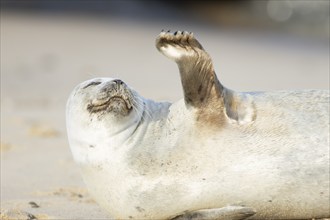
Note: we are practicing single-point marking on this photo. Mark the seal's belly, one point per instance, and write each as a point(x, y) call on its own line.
point(139, 197)
point(258, 182)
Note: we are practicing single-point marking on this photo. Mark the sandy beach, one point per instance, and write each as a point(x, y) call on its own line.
point(43, 57)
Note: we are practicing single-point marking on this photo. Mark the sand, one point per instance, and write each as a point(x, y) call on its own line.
point(44, 57)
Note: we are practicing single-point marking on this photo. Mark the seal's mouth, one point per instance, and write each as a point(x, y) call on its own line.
point(115, 103)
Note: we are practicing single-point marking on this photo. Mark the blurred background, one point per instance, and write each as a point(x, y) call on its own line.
point(256, 45)
point(48, 47)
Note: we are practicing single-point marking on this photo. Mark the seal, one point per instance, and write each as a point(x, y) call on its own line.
point(215, 154)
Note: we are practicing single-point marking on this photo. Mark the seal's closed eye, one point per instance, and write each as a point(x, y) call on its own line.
point(91, 84)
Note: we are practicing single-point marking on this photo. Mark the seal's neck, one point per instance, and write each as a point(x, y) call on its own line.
point(154, 111)
point(153, 114)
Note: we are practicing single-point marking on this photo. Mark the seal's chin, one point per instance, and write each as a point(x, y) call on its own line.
point(115, 104)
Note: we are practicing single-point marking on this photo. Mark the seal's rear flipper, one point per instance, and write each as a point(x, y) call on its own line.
point(200, 84)
point(225, 213)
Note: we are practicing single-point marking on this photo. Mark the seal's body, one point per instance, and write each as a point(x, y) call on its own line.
point(216, 154)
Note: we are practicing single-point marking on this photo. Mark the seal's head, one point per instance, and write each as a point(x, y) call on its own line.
point(107, 98)
point(102, 107)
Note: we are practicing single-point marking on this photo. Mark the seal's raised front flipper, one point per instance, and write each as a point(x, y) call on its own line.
point(201, 86)
point(225, 213)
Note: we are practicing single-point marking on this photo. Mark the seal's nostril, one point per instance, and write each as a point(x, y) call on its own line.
point(118, 81)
